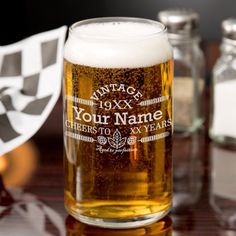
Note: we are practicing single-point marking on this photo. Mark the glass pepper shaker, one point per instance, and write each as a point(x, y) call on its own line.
point(223, 99)
point(189, 72)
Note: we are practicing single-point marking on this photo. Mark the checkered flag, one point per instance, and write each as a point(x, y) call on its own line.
point(30, 84)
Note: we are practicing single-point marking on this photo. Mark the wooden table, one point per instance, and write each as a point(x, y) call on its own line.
point(201, 182)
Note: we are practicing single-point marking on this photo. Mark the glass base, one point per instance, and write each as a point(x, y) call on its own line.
point(186, 131)
point(223, 139)
point(125, 223)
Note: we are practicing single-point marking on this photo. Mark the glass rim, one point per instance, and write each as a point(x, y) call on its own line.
point(160, 30)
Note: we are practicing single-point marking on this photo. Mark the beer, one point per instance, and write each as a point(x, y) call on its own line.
point(118, 122)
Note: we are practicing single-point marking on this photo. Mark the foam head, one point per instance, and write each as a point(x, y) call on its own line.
point(118, 43)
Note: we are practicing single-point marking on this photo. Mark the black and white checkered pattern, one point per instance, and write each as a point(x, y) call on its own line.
point(30, 84)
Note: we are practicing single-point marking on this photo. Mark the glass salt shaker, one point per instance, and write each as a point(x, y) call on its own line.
point(223, 112)
point(189, 72)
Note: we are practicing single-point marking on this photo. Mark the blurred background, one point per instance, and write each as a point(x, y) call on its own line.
point(25, 17)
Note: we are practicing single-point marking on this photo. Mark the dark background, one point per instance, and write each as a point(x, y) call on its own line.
point(21, 18)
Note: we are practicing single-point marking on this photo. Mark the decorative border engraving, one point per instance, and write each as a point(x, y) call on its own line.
point(97, 124)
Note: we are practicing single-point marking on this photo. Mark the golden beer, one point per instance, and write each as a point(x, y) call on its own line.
point(117, 125)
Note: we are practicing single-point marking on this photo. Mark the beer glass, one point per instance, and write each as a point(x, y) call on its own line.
point(118, 122)
point(159, 228)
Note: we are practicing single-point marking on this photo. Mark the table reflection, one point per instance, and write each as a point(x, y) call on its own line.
point(160, 228)
point(30, 217)
point(187, 168)
point(21, 213)
point(227, 233)
point(223, 186)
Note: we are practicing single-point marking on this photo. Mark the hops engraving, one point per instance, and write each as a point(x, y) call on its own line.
point(116, 141)
point(102, 140)
point(131, 140)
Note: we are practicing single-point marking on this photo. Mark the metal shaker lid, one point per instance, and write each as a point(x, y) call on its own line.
point(180, 21)
point(229, 28)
